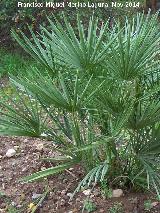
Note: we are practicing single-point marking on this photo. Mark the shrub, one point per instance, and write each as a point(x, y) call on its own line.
point(19, 18)
point(15, 63)
point(99, 102)
point(12, 63)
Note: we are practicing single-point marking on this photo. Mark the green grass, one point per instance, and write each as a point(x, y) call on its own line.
point(116, 208)
point(13, 63)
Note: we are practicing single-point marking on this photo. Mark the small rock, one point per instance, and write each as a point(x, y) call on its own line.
point(69, 195)
point(63, 192)
point(35, 196)
point(62, 202)
point(134, 200)
point(3, 186)
point(16, 147)
point(14, 163)
point(40, 146)
point(22, 197)
point(65, 197)
point(0, 167)
point(73, 210)
point(87, 192)
point(64, 180)
point(25, 140)
point(1, 175)
point(101, 210)
point(13, 203)
point(3, 205)
point(1, 156)
point(58, 192)
point(117, 193)
point(10, 153)
point(43, 168)
point(96, 192)
point(154, 204)
point(24, 169)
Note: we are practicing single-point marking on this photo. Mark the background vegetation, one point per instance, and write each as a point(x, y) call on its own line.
point(20, 18)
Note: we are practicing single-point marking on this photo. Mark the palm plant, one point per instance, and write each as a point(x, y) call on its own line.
point(101, 98)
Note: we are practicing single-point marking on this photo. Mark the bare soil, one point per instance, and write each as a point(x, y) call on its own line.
point(27, 160)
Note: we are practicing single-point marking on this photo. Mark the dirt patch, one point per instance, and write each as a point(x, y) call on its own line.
point(29, 151)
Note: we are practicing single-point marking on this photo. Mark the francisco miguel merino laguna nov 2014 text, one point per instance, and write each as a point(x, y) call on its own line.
point(60, 4)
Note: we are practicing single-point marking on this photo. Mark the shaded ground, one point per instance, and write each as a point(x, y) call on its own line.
point(27, 160)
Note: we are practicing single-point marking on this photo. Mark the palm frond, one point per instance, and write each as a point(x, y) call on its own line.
point(94, 176)
point(23, 118)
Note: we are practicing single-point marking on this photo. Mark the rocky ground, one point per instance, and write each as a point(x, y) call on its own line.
point(21, 156)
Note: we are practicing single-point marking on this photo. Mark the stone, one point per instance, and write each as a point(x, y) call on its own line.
point(14, 163)
point(3, 186)
point(73, 210)
point(87, 192)
point(62, 202)
point(10, 153)
point(35, 196)
point(117, 193)
point(69, 195)
point(16, 147)
point(3, 205)
point(96, 192)
point(1, 175)
point(40, 146)
point(133, 200)
point(43, 168)
point(13, 203)
point(24, 169)
point(64, 180)
point(63, 192)
point(154, 204)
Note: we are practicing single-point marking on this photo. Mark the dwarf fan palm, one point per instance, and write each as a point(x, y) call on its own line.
point(104, 101)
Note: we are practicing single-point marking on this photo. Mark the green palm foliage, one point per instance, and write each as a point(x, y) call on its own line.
point(67, 47)
point(100, 106)
point(25, 117)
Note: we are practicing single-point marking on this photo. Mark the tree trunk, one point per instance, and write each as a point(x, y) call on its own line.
point(154, 5)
